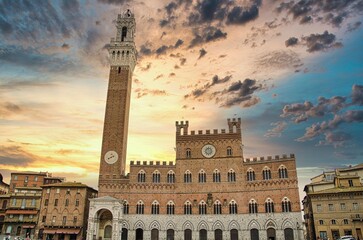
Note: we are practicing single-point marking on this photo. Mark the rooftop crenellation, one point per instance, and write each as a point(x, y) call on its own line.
point(151, 163)
point(269, 158)
point(234, 126)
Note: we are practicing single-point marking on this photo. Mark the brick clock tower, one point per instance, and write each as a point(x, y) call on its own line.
point(122, 55)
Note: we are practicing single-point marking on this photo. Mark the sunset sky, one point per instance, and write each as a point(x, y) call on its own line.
point(291, 70)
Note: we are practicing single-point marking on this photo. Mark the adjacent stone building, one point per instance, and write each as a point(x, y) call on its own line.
point(64, 211)
point(4, 199)
point(333, 205)
point(210, 191)
point(23, 202)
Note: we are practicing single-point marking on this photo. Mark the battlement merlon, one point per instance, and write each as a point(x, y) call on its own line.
point(234, 128)
point(269, 158)
point(180, 126)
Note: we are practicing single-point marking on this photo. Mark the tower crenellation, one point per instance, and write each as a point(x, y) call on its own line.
point(182, 126)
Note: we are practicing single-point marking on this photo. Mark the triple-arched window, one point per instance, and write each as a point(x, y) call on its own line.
point(187, 176)
point(202, 208)
point(141, 176)
point(155, 207)
point(286, 205)
point(252, 206)
point(170, 208)
point(170, 178)
point(156, 176)
point(251, 175)
point(216, 176)
point(233, 207)
point(202, 177)
point(140, 207)
point(187, 208)
point(269, 206)
point(231, 175)
point(266, 173)
point(217, 206)
point(283, 172)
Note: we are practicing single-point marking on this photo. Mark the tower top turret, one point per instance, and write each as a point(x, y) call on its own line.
point(122, 49)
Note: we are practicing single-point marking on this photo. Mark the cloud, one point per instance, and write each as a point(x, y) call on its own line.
point(5, 27)
point(65, 46)
point(278, 60)
point(241, 93)
point(357, 95)
point(320, 42)
point(302, 111)
point(146, 68)
point(15, 156)
point(240, 15)
point(335, 11)
point(196, 93)
point(153, 92)
point(115, 2)
point(31, 58)
point(205, 35)
point(291, 41)
point(337, 139)
point(202, 53)
point(37, 21)
point(336, 106)
point(354, 26)
point(8, 109)
point(317, 129)
point(145, 49)
point(279, 127)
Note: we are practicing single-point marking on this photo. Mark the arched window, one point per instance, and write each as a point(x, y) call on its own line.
point(202, 177)
point(156, 176)
point(216, 176)
point(187, 208)
point(266, 173)
point(123, 34)
point(233, 207)
point(187, 176)
point(202, 208)
point(269, 206)
point(252, 206)
point(217, 207)
point(188, 153)
point(141, 176)
point(170, 208)
point(231, 175)
point(140, 207)
point(126, 207)
point(251, 175)
point(229, 151)
point(283, 172)
point(155, 207)
point(170, 177)
point(170, 234)
point(107, 232)
point(286, 205)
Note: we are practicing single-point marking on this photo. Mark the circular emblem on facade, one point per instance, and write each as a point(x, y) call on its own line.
point(111, 157)
point(208, 151)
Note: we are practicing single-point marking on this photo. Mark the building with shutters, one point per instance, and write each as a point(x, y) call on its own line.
point(333, 205)
point(63, 211)
point(210, 191)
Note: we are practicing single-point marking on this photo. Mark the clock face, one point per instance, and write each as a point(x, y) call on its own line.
point(111, 157)
point(208, 151)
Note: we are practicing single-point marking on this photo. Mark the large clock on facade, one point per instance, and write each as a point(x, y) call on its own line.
point(208, 150)
point(111, 157)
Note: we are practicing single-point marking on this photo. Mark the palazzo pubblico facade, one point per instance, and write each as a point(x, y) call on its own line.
point(209, 192)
